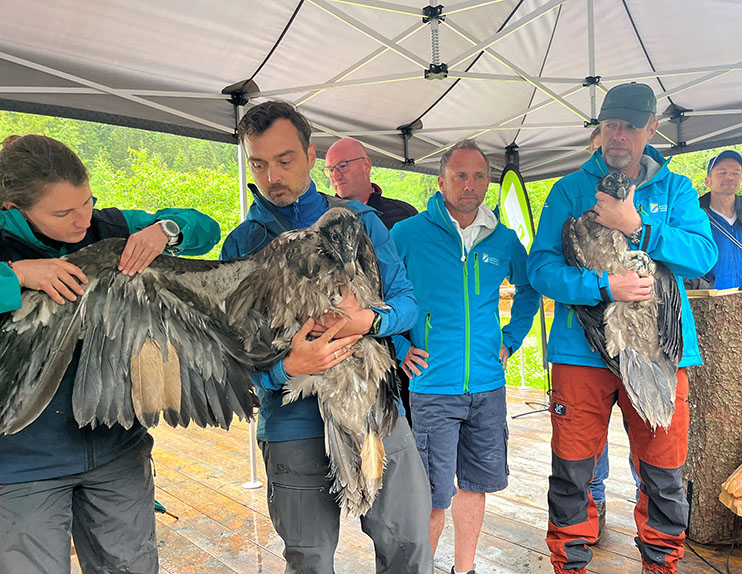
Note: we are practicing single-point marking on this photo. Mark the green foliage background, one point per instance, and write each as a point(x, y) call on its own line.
point(131, 168)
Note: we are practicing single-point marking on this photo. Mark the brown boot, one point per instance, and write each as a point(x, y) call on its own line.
point(601, 518)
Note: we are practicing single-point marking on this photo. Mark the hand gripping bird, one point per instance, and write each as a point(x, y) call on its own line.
point(640, 342)
point(181, 338)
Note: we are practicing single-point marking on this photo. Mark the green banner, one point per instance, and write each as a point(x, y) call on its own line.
point(515, 208)
point(515, 211)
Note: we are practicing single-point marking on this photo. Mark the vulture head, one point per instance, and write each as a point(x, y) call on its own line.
point(616, 185)
point(339, 233)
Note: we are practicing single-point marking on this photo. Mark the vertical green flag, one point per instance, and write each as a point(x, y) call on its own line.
point(515, 210)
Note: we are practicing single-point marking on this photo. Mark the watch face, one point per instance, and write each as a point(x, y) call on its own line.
point(170, 228)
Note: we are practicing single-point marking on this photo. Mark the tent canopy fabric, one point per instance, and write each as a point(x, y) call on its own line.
point(525, 77)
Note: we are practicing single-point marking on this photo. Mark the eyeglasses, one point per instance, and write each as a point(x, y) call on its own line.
point(341, 166)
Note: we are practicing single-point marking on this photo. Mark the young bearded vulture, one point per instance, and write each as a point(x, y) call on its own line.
point(640, 342)
point(181, 338)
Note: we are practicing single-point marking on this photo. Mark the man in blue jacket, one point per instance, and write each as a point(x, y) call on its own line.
point(457, 255)
point(304, 512)
point(724, 209)
point(662, 217)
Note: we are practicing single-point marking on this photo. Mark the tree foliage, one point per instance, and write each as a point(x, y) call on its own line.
point(132, 168)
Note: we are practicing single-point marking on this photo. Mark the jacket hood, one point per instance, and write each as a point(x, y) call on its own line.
point(595, 165)
point(705, 201)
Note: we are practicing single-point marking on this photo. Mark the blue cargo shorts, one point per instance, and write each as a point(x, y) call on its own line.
point(462, 436)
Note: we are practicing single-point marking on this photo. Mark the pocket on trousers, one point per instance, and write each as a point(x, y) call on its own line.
point(421, 442)
point(288, 505)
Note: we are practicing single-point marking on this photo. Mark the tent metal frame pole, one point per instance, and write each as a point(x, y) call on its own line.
point(673, 72)
point(502, 122)
point(591, 55)
point(695, 83)
point(111, 91)
point(362, 62)
point(334, 85)
point(380, 5)
point(373, 34)
point(712, 134)
point(520, 72)
point(340, 135)
point(469, 5)
point(514, 27)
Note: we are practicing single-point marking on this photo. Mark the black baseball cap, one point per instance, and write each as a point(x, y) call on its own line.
point(633, 103)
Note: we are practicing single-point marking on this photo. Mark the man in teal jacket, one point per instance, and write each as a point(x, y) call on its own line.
point(661, 217)
point(457, 255)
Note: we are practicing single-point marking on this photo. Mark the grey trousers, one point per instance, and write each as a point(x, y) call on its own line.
point(108, 510)
point(307, 518)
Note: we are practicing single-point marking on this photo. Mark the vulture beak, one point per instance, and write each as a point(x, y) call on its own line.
point(350, 268)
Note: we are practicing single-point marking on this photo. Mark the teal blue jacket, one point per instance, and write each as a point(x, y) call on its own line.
point(200, 233)
point(676, 232)
point(458, 295)
point(54, 445)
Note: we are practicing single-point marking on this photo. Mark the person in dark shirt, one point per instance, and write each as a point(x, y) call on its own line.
point(349, 169)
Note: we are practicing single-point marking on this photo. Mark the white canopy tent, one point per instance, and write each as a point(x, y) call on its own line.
point(519, 75)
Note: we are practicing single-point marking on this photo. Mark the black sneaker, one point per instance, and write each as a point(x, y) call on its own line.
point(453, 571)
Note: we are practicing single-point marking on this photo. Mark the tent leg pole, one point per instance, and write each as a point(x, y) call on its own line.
point(253, 482)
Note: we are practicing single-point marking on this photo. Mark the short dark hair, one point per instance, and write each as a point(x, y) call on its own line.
point(261, 117)
point(30, 163)
point(463, 144)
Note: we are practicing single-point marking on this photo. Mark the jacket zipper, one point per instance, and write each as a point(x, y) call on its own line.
point(467, 330)
point(476, 273)
point(428, 327)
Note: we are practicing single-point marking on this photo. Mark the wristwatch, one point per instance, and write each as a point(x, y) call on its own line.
point(636, 235)
point(375, 324)
point(172, 230)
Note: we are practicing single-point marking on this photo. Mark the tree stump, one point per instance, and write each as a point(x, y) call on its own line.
point(715, 435)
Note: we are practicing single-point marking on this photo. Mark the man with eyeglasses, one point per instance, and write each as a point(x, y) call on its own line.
point(349, 170)
point(724, 209)
point(304, 512)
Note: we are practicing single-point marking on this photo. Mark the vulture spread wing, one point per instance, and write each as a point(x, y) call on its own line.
point(641, 341)
point(158, 342)
point(181, 338)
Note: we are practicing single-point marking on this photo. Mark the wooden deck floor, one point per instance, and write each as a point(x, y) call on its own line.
point(225, 529)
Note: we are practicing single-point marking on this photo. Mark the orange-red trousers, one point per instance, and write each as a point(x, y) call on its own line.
point(581, 404)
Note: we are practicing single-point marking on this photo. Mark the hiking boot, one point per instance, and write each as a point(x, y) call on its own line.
point(453, 571)
point(600, 506)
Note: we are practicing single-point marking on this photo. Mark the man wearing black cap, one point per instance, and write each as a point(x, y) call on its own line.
point(724, 208)
point(661, 216)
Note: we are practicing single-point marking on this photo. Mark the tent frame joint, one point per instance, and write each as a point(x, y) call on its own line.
point(512, 155)
point(433, 13)
point(591, 81)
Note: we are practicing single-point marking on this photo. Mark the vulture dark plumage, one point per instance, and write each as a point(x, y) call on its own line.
point(640, 342)
point(181, 338)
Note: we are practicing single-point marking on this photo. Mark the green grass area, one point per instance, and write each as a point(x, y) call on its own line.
point(525, 367)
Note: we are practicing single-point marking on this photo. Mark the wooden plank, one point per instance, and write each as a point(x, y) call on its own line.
point(200, 473)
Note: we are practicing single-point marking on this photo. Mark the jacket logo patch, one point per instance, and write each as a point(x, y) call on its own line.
point(657, 208)
point(559, 409)
point(491, 260)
